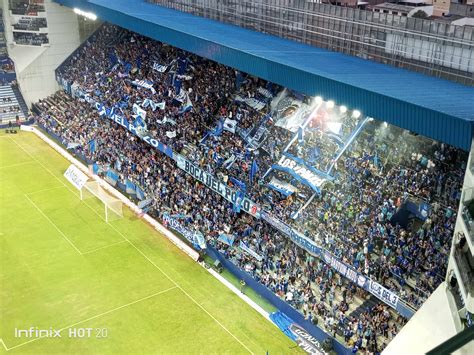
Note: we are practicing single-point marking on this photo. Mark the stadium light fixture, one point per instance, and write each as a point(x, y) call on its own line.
point(319, 99)
point(330, 104)
point(343, 109)
point(88, 15)
point(356, 113)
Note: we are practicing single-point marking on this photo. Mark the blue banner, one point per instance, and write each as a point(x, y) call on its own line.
point(231, 195)
point(140, 193)
point(130, 188)
point(112, 177)
point(301, 171)
point(226, 239)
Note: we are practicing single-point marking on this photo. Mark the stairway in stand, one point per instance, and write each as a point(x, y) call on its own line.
point(12, 104)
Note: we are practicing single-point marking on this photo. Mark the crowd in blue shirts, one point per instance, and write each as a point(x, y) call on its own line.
point(206, 112)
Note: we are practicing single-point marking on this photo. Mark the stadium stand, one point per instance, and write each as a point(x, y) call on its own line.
point(26, 7)
point(368, 210)
point(30, 24)
point(12, 105)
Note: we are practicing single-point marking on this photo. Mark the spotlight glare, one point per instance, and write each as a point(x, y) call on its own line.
point(319, 99)
point(356, 113)
point(343, 109)
point(88, 15)
point(330, 104)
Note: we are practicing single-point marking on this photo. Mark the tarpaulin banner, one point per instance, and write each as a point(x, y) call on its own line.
point(284, 188)
point(301, 171)
point(288, 112)
point(195, 237)
point(249, 251)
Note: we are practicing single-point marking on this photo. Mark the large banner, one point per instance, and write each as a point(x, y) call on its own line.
point(214, 184)
point(297, 237)
point(289, 112)
point(345, 270)
point(249, 251)
point(196, 238)
point(383, 294)
point(301, 171)
point(306, 341)
point(114, 115)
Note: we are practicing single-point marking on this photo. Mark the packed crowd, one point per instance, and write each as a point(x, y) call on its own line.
point(30, 39)
point(30, 24)
point(383, 169)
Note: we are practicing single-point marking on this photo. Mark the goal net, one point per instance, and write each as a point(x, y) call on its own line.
point(112, 205)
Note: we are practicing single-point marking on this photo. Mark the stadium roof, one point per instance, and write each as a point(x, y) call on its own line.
point(433, 107)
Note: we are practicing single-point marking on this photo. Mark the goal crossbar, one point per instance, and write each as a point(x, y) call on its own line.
point(111, 204)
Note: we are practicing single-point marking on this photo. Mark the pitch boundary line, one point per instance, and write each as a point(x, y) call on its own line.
point(187, 294)
point(91, 318)
point(100, 248)
point(3, 343)
point(54, 225)
point(146, 257)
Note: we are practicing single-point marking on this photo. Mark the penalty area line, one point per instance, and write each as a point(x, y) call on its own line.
point(104, 247)
point(4, 345)
point(91, 318)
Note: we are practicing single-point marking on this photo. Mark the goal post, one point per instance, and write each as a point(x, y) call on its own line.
point(112, 206)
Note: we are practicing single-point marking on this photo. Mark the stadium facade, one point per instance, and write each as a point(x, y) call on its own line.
point(284, 54)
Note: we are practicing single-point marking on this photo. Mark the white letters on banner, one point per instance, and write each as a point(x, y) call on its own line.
point(301, 170)
point(75, 177)
point(382, 293)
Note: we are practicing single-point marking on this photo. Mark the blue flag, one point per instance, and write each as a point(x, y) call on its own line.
point(239, 184)
point(253, 170)
point(113, 58)
point(92, 145)
point(219, 129)
point(238, 201)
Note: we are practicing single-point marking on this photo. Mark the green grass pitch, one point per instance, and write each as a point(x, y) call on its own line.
point(63, 266)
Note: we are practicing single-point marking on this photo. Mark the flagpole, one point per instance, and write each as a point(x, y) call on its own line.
point(304, 206)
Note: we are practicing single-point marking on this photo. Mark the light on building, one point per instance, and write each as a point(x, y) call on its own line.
point(343, 109)
point(356, 114)
point(88, 15)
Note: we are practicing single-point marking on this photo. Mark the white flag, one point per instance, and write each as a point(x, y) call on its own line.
point(229, 125)
point(138, 111)
point(171, 134)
